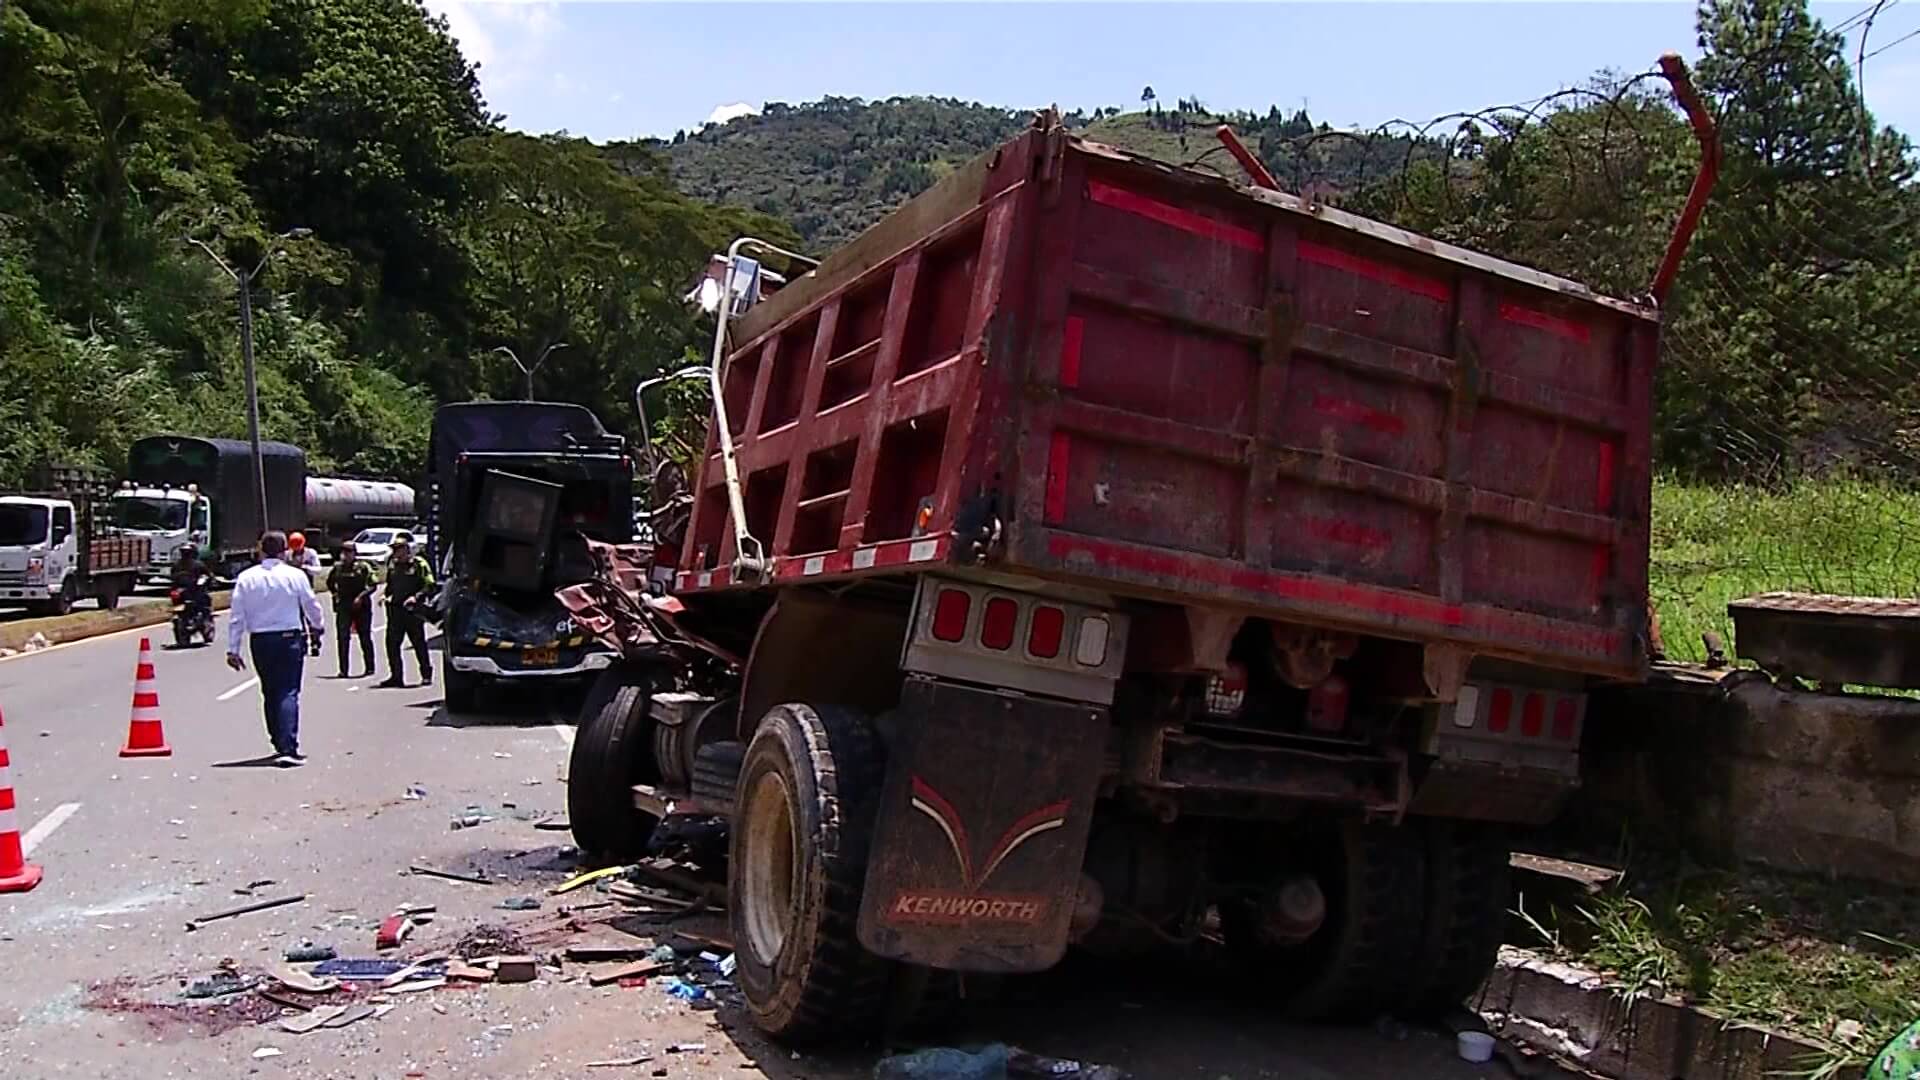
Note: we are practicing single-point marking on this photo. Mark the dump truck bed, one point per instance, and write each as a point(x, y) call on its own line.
point(1085, 366)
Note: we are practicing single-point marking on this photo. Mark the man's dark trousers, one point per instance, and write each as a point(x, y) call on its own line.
point(404, 625)
point(279, 658)
point(354, 619)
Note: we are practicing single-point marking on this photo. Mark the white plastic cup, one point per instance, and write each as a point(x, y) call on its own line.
point(1476, 1047)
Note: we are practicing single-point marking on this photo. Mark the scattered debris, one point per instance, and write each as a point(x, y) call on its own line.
point(687, 1048)
point(554, 825)
point(295, 979)
point(220, 984)
point(587, 878)
point(501, 754)
point(597, 954)
point(520, 903)
point(35, 643)
point(663, 954)
point(468, 821)
point(247, 889)
point(620, 1063)
point(248, 909)
point(682, 989)
point(424, 967)
point(488, 941)
point(433, 983)
point(358, 970)
point(471, 879)
point(312, 1021)
point(461, 970)
point(415, 792)
point(1475, 1047)
point(267, 1052)
point(992, 1062)
point(625, 971)
point(353, 1015)
point(393, 930)
point(728, 966)
point(515, 969)
point(308, 953)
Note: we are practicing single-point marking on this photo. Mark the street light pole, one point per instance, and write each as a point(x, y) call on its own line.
point(244, 279)
point(524, 369)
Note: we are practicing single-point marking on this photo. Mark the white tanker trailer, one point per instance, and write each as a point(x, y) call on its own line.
point(338, 508)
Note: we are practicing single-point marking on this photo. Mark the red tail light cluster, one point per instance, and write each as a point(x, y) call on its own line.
point(1520, 712)
point(1049, 632)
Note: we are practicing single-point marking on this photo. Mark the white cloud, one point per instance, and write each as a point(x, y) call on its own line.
point(504, 37)
point(723, 113)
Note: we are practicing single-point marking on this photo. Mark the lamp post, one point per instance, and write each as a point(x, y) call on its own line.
point(524, 369)
point(244, 279)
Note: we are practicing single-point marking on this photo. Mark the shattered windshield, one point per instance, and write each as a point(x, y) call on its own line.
point(147, 512)
point(21, 525)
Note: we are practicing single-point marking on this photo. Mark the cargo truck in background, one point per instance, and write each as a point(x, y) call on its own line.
point(58, 544)
point(188, 491)
point(1097, 551)
point(514, 492)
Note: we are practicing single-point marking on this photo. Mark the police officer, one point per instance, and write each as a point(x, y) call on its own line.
point(409, 583)
point(351, 584)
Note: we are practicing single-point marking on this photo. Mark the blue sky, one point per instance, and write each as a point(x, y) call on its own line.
point(609, 69)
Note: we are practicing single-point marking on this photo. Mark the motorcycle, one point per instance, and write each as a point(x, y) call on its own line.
point(192, 613)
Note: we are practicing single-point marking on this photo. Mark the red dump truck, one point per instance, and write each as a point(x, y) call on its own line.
point(1096, 551)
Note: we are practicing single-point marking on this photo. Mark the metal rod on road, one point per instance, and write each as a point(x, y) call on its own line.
point(246, 910)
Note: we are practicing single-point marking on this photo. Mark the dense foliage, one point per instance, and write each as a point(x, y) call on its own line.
point(427, 238)
point(426, 235)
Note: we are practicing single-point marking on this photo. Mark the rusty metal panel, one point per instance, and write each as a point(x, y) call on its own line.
point(1861, 640)
point(982, 828)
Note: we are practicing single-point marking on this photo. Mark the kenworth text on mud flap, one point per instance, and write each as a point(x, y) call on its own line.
point(1096, 549)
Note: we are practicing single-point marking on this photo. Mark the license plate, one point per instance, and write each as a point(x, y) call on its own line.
point(540, 657)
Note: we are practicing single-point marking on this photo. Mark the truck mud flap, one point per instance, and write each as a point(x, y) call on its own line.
point(982, 827)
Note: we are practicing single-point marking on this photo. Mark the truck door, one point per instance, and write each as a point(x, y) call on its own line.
point(60, 554)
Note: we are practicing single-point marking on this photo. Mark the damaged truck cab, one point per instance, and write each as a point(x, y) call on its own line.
point(1097, 552)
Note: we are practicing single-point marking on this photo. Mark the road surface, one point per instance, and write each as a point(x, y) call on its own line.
point(93, 961)
point(144, 594)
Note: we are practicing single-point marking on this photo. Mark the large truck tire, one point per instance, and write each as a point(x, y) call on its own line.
point(809, 789)
point(611, 753)
point(1467, 893)
point(1355, 966)
point(459, 690)
point(60, 604)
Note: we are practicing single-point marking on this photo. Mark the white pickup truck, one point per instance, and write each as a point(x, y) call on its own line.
point(55, 550)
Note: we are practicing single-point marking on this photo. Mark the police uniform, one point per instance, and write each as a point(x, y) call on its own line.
point(407, 578)
point(351, 585)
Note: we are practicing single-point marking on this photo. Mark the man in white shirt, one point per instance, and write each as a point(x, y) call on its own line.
point(273, 609)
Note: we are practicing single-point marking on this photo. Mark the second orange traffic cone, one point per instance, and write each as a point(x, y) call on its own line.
point(145, 737)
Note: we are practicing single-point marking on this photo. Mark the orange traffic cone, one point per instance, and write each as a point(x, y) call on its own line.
point(144, 735)
point(16, 873)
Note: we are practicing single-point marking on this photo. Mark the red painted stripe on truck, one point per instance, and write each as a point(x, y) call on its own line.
point(1540, 320)
point(1432, 288)
point(1057, 454)
point(1070, 352)
point(1355, 412)
point(1168, 214)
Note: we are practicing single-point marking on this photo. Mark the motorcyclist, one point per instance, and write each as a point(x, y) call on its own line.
point(190, 577)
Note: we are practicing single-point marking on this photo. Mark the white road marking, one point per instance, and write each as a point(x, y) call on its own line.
point(45, 826)
point(565, 731)
point(238, 690)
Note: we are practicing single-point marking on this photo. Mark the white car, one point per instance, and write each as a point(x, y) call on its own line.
point(376, 545)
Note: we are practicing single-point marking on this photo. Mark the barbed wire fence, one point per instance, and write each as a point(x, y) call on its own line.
point(1788, 407)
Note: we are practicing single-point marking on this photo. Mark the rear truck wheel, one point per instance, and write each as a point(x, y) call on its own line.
point(1353, 965)
point(611, 755)
point(62, 602)
point(809, 789)
point(459, 689)
point(716, 775)
point(1467, 892)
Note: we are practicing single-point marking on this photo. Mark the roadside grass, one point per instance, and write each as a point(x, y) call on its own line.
point(1713, 544)
point(1805, 954)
